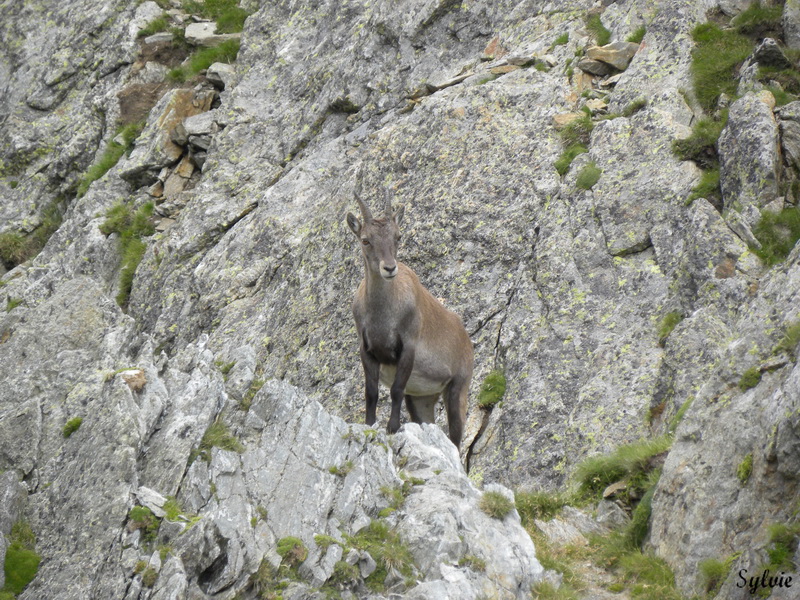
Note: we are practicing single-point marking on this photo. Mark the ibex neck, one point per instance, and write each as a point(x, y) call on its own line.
point(378, 288)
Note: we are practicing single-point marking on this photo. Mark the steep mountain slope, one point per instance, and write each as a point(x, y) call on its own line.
point(213, 257)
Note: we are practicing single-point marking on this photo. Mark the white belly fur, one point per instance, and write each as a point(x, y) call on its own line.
point(417, 385)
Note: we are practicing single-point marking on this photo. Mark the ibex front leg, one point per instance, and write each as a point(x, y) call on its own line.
point(372, 369)
point(404, 367)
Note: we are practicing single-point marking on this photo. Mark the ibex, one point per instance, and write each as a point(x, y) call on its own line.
point(409, 340)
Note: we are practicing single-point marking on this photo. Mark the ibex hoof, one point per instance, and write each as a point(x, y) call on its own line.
point(393, 426)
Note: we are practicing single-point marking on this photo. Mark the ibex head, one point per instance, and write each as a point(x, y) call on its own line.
point(379, 237)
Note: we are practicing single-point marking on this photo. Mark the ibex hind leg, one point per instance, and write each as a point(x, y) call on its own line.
point(422, 409)
point(455, 400)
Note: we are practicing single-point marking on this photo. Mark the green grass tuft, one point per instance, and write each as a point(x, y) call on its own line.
point(560, 40)
point(749, 379)
point(596, 28)
point(71, 426)
point(227, 14)
point(292, 551)
point(387, 548)
point(778, 233)
point(142, 518)
point(217, 435)
point(114, 151)
point(791, 338)
point(745, 468)
point(758, 19)
point(155, 26)
point(492, 389)
point(539, 505)
point(495, 504)
point(637, 36)
point(715, 58)
point(668, 323)
point(701, 145)
point(631, 461)
point(564, 161)
point(21, 561)
point(205, 57)
point(708, 187)
point(588, 176)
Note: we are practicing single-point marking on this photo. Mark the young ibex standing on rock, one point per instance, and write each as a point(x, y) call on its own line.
point(409, 341)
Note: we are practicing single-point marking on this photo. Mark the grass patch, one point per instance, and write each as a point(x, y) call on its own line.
point(560, 40)
point(675, 421)
point(714, 572)
point(564, 161)
point(343, 470)
point(472, 562)
point(16, 248)
point(708, 187)
point(758, 19)
point(131, 226)
point(71, 426)
point(668, 322)
point(778, 233)
point(492, 389)
point(637, 36)
point(631, 461)
point(749, 379)
point(114, 151)
point(745, 469)
point(250, 394)
point(588, 176)
point(216, 436)
point(597, 30)
point(12, 303)
point(227, 14)
point(716, 57)
point(205, 57)
point(783, 540)
point(292, 551)
point(155, 26)
point(387, 548)
point(495, 504)
point(149, 577)
point(539, 505)
point(701, 145)
point(578, 131)
point(21, 562)
point(791, 338)
point(143, 519)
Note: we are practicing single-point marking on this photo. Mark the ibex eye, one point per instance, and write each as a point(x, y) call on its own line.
point(365, 242)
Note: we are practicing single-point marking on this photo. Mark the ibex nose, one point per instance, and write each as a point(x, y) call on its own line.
point(389, 271)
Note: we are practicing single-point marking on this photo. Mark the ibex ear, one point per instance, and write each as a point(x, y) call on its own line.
point(398, 214)
point(354, 224)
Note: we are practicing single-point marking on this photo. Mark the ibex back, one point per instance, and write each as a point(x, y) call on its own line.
point(409, 340)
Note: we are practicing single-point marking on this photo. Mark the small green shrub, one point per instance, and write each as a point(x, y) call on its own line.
point(588, 176)
point(21, 561)
point(495, 504)
point(250, 394)
point(71, 426)
point(12, 303)
point(596, 28)
point(492, 389)
point(791, 338)
point(324, 541)
point(345, 574)
point(577, 131)
point(564, 161)
point(713, 573)
point(634, 107)
point(717, 54)
point(637, 36)
point(636, 531)
point(778, 233)
point(292, 551)
point(14, 249)
point(675, 421)
point(343, 470)
point(745, 468)
point(750, 379)
point(758, 19)
point(668, 322)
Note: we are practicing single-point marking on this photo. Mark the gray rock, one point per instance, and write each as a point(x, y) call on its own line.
point(205, 34)
point(769, 54)
point(221, 75)
point(595, 67)
point(616, 54)
point(749, 157)
point(791, 23)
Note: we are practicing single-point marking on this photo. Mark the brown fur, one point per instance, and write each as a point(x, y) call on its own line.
point(408, 340)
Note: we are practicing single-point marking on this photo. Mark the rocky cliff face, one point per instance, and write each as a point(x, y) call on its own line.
point(246, 272)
